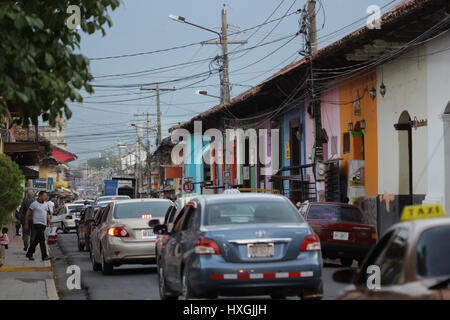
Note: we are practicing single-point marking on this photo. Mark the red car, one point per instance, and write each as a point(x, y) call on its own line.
point(343, 230)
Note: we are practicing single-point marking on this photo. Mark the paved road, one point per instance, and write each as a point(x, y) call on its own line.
point(130, 282)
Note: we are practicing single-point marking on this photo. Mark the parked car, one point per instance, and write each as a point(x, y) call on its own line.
point(240, 244)
point(122, 234)
point(343, 230)
point(413, 263)
point(65, 217)
point(84, 226)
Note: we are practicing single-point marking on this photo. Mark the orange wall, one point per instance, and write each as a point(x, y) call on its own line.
point(348, 94)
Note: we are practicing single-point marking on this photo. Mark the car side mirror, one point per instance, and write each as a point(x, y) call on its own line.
point(153, 223)
point(160, 229)
point(344, 276)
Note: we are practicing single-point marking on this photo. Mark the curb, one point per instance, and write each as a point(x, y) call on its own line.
point(52, 293)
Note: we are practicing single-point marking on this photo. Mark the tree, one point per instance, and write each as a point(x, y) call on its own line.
point(39, 70)
point(11, 189)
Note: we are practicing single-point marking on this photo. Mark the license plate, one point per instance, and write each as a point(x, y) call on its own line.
point(147, 234)
point(263, 250)
point(340, 235)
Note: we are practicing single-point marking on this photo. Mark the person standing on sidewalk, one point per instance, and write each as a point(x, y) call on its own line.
point(29, 199)
point(4, 241)
point(41, 216)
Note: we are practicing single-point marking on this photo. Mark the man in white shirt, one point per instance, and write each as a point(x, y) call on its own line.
point(51, 206)
point(41, 215)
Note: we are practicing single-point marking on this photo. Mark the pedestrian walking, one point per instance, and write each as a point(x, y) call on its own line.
point(29, 199)
point(41, 216)
point(4, 241)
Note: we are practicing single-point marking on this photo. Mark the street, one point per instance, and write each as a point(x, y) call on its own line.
point(136, 282)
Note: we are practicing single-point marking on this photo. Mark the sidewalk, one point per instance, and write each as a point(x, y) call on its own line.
point(22, 279)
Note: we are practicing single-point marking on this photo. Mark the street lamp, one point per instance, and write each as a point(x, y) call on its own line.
point(205, 93)
point(183, 20)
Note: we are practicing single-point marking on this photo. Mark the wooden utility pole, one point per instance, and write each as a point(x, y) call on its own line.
point(312, 25)
point(225, 78)
point(158, 110)
point(148, 166)
point(311, 42)
point(225, 95)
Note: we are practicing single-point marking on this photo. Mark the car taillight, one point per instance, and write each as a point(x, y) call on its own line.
point(206, 246)
point(117, 232)
point(311, 243)
point(374, 236)
point(68, 217)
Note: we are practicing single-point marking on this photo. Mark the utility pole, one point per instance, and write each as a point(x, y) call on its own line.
point(311, 49)
point(225, 95)
point(225, 78)
point(312, 25)
point(149, 169)
point(138, 164)
point(120, 146)
point(158, 110)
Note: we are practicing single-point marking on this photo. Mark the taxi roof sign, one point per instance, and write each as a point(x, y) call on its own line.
point(422, 212)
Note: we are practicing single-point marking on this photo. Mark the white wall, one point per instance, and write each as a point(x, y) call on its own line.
point(405, 79)
point(438, 64)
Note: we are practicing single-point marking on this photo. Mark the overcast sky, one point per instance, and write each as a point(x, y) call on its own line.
point(141, 26)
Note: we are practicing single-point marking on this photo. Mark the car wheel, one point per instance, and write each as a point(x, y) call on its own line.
point(163, 292)
point(186, 290)
point(347, 262)
point(95, 266)
point(107, 268)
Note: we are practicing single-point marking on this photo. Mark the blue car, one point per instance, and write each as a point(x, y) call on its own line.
point(238, 245)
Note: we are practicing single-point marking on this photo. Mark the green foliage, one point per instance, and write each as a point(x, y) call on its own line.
point(39, 70)
point(107, 160)
point(11, 189)
point(97, 163)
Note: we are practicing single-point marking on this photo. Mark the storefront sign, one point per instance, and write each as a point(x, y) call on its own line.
point(287, 148)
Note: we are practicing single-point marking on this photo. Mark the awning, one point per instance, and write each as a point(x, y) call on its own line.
point(30, 173)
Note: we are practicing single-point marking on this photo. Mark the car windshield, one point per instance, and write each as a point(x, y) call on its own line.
point(251, 212)
point(149, 209)
point(431, 257)
point(335, 213)
point(109, 198)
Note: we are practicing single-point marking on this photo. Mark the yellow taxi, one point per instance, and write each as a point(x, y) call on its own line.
point(410, 261)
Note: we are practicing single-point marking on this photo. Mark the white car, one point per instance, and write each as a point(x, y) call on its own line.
point(67, 216)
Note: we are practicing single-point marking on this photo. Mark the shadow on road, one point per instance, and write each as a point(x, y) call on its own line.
point(134, 271)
